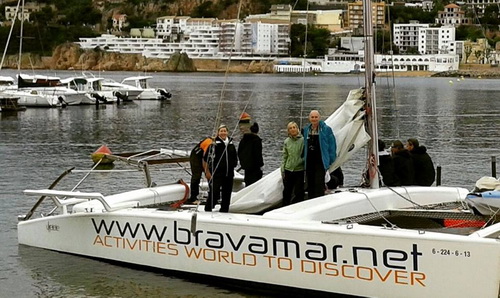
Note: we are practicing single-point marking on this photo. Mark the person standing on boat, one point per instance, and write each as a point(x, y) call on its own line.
point(292, 166)
point(219, 163)
point(403, 164)
point(386, 166)
point(250, 155)
point(424, 171)
point(196, 164)
point(320, 151)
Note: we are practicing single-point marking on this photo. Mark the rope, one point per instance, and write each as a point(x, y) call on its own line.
point(186, 195)
point(378, 211)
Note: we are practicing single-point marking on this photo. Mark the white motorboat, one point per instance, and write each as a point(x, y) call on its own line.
point(92, 89)
point(33, 98)
point(377, 241)
point(6, 82)
point(121, 91)
point(148, 92)
point(45, 86)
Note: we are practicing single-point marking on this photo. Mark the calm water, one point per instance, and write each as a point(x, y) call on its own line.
point(456, 120)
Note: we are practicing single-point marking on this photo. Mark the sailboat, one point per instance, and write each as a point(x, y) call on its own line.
point(349, 242)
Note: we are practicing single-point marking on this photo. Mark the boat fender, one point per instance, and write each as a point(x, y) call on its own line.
point(194, 217)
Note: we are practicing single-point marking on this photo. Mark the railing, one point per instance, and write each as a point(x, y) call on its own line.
point(74, 198)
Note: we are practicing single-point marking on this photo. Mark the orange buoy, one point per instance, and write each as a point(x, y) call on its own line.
point(100, 155)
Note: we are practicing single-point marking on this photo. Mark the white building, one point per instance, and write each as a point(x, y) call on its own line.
point(478, 5)
point(13, 12)
point(271, 39)
point(406, 36)
point(351, 44)
point(452, 15)
point(235, 38)
point(437, 40)
point(201, 38)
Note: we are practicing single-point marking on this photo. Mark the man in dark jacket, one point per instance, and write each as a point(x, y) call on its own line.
point(422, 163)
point(403, 164)
point(386, 166)
point(250, 155)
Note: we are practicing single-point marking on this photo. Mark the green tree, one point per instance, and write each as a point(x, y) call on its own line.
point(478, 55)
point(138, 22)
point(412, 51)
point(82, 14)
point(403, 14)
point(383, 42)
point(317, 41)
point(468, 33)
point(467, 52)
point(491, 17)
point(206, 9)
point(43, 17)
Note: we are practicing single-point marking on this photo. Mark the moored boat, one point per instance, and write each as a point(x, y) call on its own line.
point(148, 92)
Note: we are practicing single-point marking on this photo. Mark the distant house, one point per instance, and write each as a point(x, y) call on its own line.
point(12, 12)
point(452, 15)
point(119, 22)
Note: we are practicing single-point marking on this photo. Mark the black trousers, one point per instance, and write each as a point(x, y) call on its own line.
point(252, 176)
point(196, 165)
point(220, 185)
point(293, 191)
point(315, 174)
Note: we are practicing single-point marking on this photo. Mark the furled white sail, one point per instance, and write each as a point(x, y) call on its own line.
point(347, 122)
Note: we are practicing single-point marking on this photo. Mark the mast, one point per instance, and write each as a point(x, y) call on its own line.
point(21, 39)
point(371, 106)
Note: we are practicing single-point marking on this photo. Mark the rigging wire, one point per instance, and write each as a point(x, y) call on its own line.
point(304, 56)
point(392, 88)
point(21, 38)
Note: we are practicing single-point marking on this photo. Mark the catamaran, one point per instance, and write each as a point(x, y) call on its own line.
point(362, 241)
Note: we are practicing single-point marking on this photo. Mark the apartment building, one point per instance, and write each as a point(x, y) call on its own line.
point(437, 40)
point(354, 18)
point(202, 38)
point(478, 5)
point(406, 36)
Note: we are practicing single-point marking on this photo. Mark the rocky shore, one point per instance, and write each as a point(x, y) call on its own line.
point(472, 71)
point(70, 56)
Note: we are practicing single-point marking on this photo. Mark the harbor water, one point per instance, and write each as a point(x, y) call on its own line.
point(456, 119)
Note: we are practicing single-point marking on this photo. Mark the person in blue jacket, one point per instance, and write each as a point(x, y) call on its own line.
point(320, 151)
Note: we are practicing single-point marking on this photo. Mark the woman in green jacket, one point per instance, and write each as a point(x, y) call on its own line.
point(292, 166)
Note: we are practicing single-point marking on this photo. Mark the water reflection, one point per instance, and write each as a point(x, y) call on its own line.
point(83, 277)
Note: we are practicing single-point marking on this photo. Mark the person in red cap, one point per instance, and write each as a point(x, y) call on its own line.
point(245, 118)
